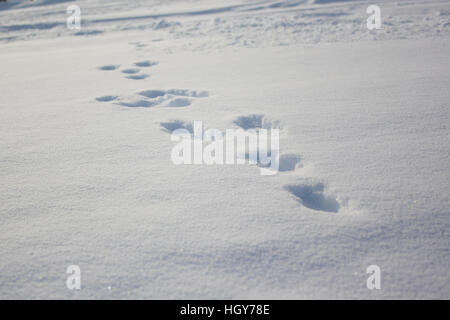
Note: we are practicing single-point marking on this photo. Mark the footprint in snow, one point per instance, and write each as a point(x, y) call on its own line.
point(256, 121)
point(131, 71)
point(109, 67)
point(138, 76)
point(146, 63)
point(152, 93)
point(286, 162)
point(313, 196)
point(179, 102)
point(173, 98)
point(106, 98)
point(289, 162)
point(173, 125)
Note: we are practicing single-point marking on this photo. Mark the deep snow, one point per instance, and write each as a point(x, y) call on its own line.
point(87, 179)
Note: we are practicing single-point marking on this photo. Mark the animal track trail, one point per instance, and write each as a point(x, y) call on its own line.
point(173, 98)
point(286, 162)
point(132, 73)
point(312, 196)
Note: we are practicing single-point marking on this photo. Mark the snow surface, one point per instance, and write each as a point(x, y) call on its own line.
point(85, 169)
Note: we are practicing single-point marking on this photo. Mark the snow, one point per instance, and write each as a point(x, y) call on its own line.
point(87, 178)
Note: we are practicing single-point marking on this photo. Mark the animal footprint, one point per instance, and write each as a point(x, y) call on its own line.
point(173, 98)
point(106, 98)
point(286, 162)
point(313, 197)
point(289, 162)
point(173, 125)
point(138, 76)
point(126, 101)
point(179, 102)
point(134, 74)
point(256, 121)
point(146, 64)
point(136, 104)
point(152, 93)
point(109, 67)
point(131, 71)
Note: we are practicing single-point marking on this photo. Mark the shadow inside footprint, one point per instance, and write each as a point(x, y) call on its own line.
point(146, 63)
point(88, 32)
point(249, 122)
point(255, 121)
point(253, 157)
point(106, 98)
point(136, 104)
point(312, 197)
point(171, 126)
point(131, 71)
point(109, 67)
point(179, 102)
point(288, 162)
point(152, 93)
point(138, 76)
